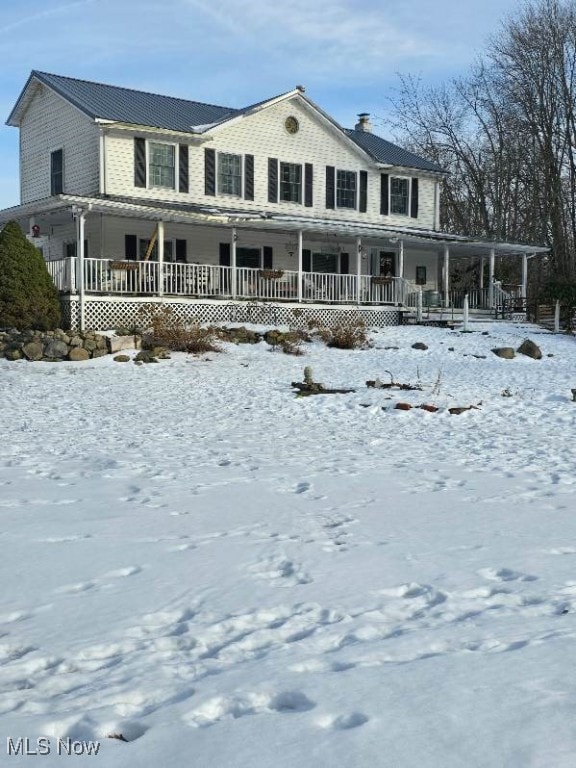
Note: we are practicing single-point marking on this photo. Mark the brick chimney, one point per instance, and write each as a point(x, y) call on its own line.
point(363, 123)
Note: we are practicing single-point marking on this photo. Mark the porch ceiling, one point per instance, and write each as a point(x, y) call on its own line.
point(58, 210)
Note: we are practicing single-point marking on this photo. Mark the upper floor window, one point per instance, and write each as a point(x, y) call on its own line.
point(345, 189)
point(399, 196)
point(161, 165)
point(229, 174)
point(57, 172)
point(290, 182)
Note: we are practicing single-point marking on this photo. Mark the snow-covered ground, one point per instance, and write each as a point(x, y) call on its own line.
point(229, 576)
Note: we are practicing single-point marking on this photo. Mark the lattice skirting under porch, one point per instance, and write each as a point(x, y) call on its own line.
point(101, 313)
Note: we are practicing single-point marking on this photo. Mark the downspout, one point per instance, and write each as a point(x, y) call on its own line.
point(102, 185)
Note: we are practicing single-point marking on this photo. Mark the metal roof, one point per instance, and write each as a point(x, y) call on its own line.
point(390, 154)
point(110, 102)
point(125, 105)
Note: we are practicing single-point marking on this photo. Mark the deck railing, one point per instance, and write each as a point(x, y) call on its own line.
point(149, 278)
point(63, 273)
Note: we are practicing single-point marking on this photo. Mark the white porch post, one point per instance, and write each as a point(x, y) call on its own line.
point(80, 222)
point(401, 259)
point(160, 258)
point(482, 262)
point(465, 311)
point(300, 275)
point(524, 275)
point(399, 292)
point(419, 305)
point(557, 317)
point(233, 289)
point(446, 276)
point(491, 278)
point(358, 268)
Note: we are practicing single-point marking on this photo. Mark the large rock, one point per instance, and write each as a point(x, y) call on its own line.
point(78, 353)
point(55, 349)
point(505, 352)
point(530, 349)
point(33, 350)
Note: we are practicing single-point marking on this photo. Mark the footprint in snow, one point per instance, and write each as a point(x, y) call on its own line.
point(505, 574)
point(343, 722)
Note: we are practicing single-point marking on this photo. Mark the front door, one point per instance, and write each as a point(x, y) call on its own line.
point(386, 264)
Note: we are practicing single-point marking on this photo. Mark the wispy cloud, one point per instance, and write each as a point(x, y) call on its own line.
point(333, 36)
point(29, 18)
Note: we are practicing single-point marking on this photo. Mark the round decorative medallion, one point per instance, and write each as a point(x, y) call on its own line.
point(291, 124)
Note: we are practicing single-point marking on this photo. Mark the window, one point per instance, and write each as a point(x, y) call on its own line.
point(399, 196)
point(290, 183)
point(229, 174)
point(327, 263)
point(161, 165)
point(345, 189)
point(248, 257)
point(57, 172)
point(168, 250)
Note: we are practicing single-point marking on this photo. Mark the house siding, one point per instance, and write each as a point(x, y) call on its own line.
point(264, 136)
point(51, 123)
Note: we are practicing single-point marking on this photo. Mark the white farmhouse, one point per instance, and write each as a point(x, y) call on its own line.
point(273, 212)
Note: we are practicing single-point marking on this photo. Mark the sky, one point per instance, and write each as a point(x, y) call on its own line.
point(347, 53)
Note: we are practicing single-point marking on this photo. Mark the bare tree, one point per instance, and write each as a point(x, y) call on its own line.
point(507, 134)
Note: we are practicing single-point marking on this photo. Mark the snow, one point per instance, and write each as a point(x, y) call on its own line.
point(228, 575)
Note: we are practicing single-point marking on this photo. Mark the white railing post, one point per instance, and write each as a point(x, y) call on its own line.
point(419, 305)
point(481, 281)
point(233, 263)
point(446, 276)
point(358, 268)
point(401, 260)
point(465, 313)
point(557, 317)
point(160, 286)
point(300, 277)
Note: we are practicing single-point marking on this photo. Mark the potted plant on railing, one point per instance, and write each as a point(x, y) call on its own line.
point(126, 265)
point(271, 274)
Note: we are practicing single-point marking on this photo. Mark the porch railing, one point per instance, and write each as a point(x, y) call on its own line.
point(63, 273)
point(143, 278)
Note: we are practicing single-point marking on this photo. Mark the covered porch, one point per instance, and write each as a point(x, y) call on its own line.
point(124, 248)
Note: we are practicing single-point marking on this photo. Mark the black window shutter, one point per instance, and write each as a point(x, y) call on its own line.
point(57, 172)
point(267, 253)
point(306, 260)
point(384, 198)
point(183, 168)
point(308, 185)
point(272, 180)
point(130, 247)
point(86, 249)
point(224, 260)
point(330, 186)
point(139, 162)
point(344, 263)
point(181, 250)
point(414, 199)
point(249, 177)
point(209, 171)
point(363, 199)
